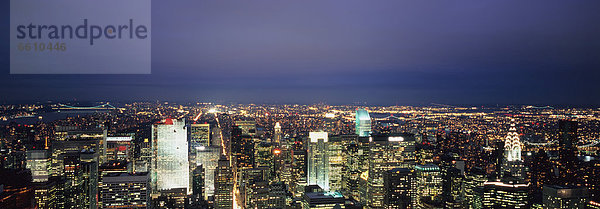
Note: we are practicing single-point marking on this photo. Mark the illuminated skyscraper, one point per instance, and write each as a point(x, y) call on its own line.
point(208, 158)
point(278, 134)
point(385, 153)
point(248, 127)
point(505, 193)
point(318, 160)
point(170, 165)
point(428, 185)
point(363, 123)
point(38, 162)
point(242, 149)
point(224, 185)
point(199, 135)
point(336, 162)
point(398, 187)
point(119, 148)
point(124, 190)
point(513, 163)
point(299, 169)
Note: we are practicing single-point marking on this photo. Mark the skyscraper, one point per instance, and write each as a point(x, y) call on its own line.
point(513, 164)
point(198, 183)
point(199, 135)
point(299, 169)
point(242, 149)
point(567, 162)
point(124, 190)
point(318, 160)
point(385, 153)
point(397, 183)
point(336, 162)
point(428, 185)
point(38, 162)
point(278, 134)
point(363, 122)
point(170, 165)
point(505, 193)
point(223, 185)
point(208, 158)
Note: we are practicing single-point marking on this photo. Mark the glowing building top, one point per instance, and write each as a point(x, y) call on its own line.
point(363, 123)
point(513, 164)
point(512, 144)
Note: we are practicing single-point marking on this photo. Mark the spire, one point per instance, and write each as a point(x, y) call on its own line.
point(512, 144)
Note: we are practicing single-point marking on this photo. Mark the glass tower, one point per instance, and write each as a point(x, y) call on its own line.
point(318, 160)
point(363, 123)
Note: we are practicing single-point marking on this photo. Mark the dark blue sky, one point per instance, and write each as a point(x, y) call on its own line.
point(340, 52)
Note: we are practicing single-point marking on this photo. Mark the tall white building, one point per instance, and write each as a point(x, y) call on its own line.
point(278, 133)
point(318, 160)
point(512, 153)
point(170, 165)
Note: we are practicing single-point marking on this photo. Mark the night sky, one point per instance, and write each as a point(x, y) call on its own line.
point(383, 52)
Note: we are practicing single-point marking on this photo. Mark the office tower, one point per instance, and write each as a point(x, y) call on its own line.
point(299, 169)
point(428, 185)
point(72, 146)
point(567, 162)
point(170, 165)
point(263, 157)
point(512, 163)
point(318, 160)
point(385, 153)
point(556, 196)
point(453, 180)
point(198, 183)
point(124, 190)
point(352, 171)
point(78, 174)
point(224, 183)
point(248, 127)
point(73, 133)
point(38, 162)
point(199, 135)
point(119, 148)
point(254, 187)
point(208, 158)
point(397, 183)
point(145, 150)
point(242, 149)
point(474, 179)
point(363, 123)
point(51, 193)
point(277, 195)
point(336, 162)
point(505, 193)
point(199, 140)
point(323, 200)
point(277, 136)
